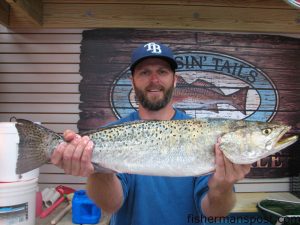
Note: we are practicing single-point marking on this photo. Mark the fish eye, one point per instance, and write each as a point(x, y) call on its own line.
point(267, 131)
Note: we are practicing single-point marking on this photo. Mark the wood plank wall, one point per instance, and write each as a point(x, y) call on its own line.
point(39, 77)
point(221, 15)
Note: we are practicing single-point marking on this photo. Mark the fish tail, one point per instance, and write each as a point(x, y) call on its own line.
point(239, 99)
point(35, 145)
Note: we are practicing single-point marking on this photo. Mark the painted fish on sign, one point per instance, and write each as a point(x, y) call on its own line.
point(222, 86)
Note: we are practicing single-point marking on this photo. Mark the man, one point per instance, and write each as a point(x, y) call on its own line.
point(137, 199)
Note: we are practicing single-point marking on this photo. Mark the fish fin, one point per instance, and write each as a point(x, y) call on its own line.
point(34, 145)
point(204, 84)
point(181, 81)
point(199, 83)
point(102, 169)
point(240, 99)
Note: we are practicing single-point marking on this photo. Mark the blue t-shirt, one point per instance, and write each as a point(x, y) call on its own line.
point(154, 200)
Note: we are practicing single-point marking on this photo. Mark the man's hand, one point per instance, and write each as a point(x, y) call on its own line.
point(74, 155)
point(227, 173)
point(220, 198)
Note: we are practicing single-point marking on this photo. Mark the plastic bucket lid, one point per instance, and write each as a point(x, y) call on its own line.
point(8, 128)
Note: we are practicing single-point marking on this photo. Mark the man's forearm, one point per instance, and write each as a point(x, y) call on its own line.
point(106, 191)
point(218, 204)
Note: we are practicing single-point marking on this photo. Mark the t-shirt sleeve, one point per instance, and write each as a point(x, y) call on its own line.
point(125, 182)
point(200, 190)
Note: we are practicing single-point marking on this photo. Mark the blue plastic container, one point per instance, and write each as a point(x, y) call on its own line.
point(84, 211)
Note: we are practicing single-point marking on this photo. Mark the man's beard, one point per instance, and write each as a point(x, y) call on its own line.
point(157, 104)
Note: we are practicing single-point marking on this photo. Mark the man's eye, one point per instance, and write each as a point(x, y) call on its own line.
point(163, 72)
point(143, 72)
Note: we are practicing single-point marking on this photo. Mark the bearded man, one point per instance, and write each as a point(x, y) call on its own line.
point(147, 200)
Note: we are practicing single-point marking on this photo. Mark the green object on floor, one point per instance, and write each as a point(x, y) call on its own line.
point(280, 212)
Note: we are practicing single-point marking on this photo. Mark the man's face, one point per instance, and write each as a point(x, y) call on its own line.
point(153, 82)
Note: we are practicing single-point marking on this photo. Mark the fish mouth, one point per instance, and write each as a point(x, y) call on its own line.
point(283, 142)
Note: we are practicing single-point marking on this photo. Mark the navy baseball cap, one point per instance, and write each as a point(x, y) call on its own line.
point(152, 50)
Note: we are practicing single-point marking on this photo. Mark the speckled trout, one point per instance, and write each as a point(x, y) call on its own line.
point(160, 148)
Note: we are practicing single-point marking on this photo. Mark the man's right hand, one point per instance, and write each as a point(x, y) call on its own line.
point(74, 155)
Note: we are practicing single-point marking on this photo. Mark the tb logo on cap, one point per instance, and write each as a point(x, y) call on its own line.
point(153, 47)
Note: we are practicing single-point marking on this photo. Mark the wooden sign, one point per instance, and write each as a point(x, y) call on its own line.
point(236, 76)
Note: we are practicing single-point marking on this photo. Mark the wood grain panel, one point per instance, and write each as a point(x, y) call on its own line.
point(4, 13)
point(258, 40)
point(61, 178)
point(30, 9)
point(75, 186)
point(180, 16)
point(24, 30)
point(40, 77)
point(274, 57)
point(40, 38)
point(39, 108)
point(38, 88)
point(69, 118)
point(39, 48)
point(40, 58)
point(232, 3)
point(255, 16)
point(39, 98)
point(39, 68)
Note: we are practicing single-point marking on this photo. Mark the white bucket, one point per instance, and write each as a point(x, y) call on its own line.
point(9, 140)
point(17, 202)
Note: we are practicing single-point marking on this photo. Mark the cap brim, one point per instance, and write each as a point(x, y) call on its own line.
point(172, 62)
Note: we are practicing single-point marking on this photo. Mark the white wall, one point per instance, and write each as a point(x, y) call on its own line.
point(39, 77)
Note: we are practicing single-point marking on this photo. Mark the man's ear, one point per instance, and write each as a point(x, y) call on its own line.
point(175, 80)
point(131, 78)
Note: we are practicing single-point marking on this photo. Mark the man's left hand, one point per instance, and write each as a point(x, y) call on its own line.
point(227, 173)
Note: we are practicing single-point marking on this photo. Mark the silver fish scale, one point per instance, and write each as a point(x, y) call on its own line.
point(161, 147)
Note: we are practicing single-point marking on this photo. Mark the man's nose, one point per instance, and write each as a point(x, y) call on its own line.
point(154, 77)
